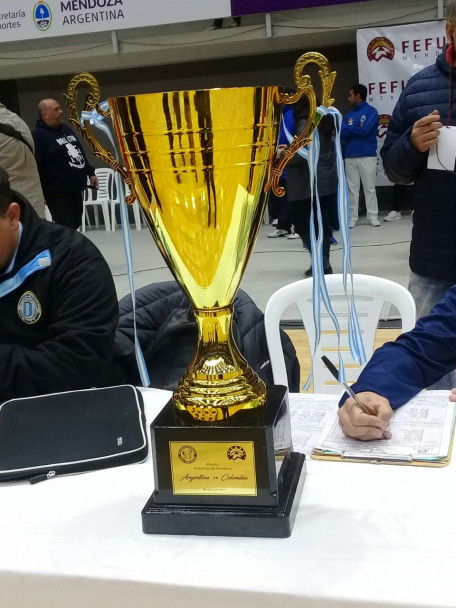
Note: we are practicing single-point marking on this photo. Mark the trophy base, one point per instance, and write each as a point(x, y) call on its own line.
point(267, 522)
point(235, 477)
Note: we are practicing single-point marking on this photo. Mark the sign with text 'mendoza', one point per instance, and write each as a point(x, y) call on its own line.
point(387, 58)
point(31, 19)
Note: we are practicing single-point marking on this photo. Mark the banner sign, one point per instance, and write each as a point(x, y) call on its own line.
point(248, 7)
point(28, 19)
point(387, 58)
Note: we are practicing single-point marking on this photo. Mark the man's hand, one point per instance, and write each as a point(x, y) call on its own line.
point(94, 181)
point(355, 423)
point(425, 132)
point(453, 394)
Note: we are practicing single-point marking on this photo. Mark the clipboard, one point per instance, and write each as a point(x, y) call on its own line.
point(408, 460)
point(435, 419)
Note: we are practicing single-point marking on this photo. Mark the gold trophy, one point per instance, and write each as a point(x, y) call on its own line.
point(200, 164)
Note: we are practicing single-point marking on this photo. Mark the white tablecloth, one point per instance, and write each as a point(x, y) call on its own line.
point(365, 536)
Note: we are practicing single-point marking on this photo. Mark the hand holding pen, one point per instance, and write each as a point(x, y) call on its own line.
point(366, 415)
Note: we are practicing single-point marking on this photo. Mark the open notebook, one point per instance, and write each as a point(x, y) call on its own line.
point(422, 431)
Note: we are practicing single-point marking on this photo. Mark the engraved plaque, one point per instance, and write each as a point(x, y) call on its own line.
point(213, 468)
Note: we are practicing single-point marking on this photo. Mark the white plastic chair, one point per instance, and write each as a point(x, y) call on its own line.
point(370, 295)
point(93, 198)
point(114, 200)
point(136, 210)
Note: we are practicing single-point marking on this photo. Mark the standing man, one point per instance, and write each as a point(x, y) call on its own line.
point(62, 165)
point(359, 140)
point(422, 109)
point(17, 157)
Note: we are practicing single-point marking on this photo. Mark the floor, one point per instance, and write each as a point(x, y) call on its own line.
point(381, 251)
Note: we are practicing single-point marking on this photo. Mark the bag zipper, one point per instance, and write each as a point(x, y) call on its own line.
point(42, 477)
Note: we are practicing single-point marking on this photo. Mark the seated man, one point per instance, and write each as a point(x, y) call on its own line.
point(399, 370)
point(58, 305)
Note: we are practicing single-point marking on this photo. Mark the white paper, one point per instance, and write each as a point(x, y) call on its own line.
point(421, 430)
point(310, 414)
point(442, 156)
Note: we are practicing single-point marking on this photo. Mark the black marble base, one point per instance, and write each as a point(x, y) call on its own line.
point(268, 428)
point(260, 521)
point(235, 477)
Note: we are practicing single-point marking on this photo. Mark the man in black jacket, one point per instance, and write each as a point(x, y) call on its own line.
point(58, 305)
point(62, 165)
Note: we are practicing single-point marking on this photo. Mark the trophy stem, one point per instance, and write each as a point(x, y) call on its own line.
point(219, 382)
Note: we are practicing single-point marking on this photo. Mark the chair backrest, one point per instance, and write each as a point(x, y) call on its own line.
point(105, 184)
point(370, 294)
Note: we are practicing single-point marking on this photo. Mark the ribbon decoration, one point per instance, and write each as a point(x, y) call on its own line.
point(41, 261)
point(320, 291)
point(97, 120)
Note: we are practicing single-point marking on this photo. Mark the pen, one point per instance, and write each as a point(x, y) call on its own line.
point(367, 409)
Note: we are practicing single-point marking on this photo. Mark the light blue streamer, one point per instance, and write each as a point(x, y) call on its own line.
point(97, 120)
point(41, 261)
point(320, 292)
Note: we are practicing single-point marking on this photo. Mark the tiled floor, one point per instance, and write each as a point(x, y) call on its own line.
point(275, 262)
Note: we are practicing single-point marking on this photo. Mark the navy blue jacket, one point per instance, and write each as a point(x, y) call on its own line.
point(433, 247)
point(57, 327)
point(62, 163)
point(168, 335)
point(359, 131)
point(399, 370)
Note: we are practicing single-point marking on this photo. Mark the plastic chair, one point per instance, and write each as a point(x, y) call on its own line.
point(370, 294)
point(94, 198)
point(136, 210)
point(114, 199)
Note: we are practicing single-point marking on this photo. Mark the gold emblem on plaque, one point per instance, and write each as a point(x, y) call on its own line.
point(200, 163)
point(235, 452)
point(187, 454)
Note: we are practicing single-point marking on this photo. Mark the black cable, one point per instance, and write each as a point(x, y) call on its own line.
point(124, 274)
point(358, 26)
point(193, 42)
point(89, 48)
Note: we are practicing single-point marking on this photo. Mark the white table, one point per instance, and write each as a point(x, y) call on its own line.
point(377, 535)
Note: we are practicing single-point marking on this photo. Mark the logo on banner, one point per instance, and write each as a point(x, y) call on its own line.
point(379, 48)
point(383, 122)
point(42, 16)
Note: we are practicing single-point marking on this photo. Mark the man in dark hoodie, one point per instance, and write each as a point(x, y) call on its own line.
point(62, 165)
point(58, 305)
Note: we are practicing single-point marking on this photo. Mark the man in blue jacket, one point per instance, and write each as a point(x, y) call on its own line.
point(399, 370)
point(62, 165)
point(359, 139)
point(425, 105)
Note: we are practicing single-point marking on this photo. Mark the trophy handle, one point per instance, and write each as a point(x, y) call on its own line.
point(304, 87)
point(92, 103)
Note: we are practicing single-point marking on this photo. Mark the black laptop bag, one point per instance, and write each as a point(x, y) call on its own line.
point(71, 432)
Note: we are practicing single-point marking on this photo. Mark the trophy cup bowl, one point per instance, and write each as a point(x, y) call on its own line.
point(200, 164)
